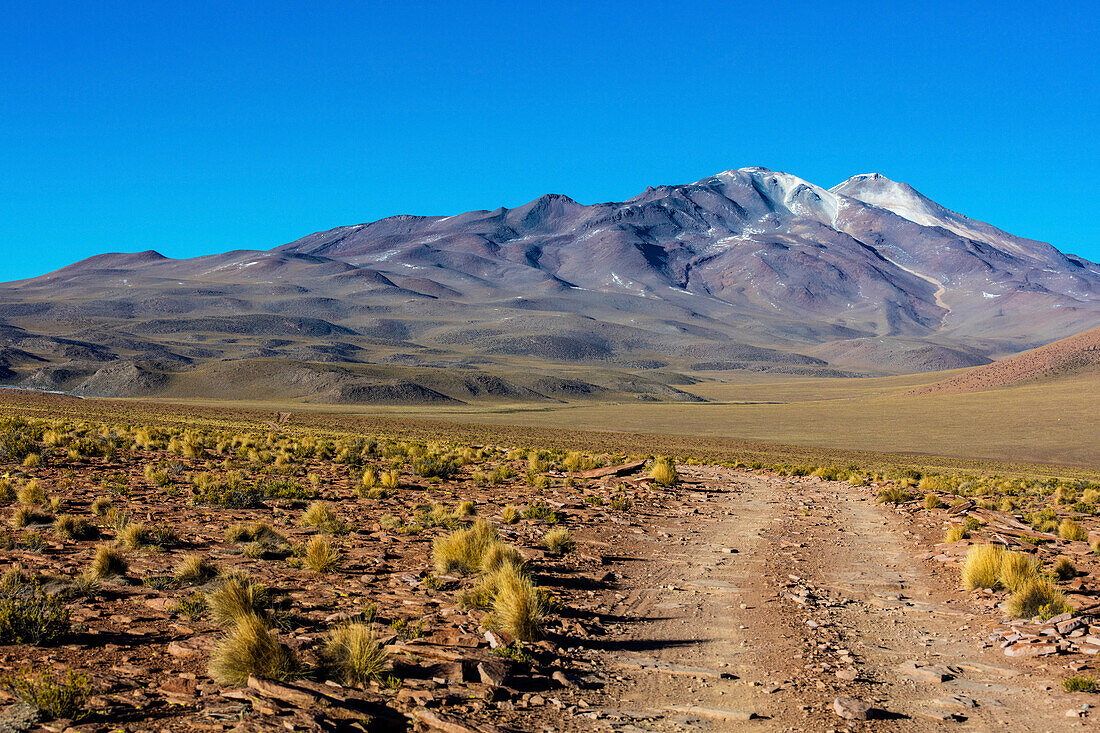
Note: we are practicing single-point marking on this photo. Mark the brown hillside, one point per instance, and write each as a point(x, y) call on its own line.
point(1073, 355)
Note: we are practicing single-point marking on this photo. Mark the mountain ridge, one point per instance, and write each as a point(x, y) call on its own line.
point(678, 275)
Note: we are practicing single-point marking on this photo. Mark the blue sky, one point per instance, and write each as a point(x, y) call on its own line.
point(194, 128)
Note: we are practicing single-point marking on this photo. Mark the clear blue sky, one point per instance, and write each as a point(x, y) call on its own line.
point(194, 128)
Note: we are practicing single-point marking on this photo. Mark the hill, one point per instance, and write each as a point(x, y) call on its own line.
point(1076, 355)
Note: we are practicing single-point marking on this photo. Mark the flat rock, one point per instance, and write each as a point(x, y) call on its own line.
point(850, 708)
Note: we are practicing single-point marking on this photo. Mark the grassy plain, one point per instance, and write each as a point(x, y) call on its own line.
point(1047, 428)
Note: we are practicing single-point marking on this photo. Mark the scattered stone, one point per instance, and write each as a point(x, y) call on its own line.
point(850, 708)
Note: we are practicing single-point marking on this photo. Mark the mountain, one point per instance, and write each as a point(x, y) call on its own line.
point(749, 269)
point(1069, 357)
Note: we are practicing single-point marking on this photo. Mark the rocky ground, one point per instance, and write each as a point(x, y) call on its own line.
point(739, 599)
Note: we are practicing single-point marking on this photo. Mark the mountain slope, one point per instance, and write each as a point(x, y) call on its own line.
point(748, 269)
point(1078, 354)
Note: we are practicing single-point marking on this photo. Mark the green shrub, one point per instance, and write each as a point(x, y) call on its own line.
point(539, 510)
point(29, 615)
point(53, 700)
point(1079, 683)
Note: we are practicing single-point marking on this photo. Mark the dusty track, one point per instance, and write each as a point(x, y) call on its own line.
point(743, 602)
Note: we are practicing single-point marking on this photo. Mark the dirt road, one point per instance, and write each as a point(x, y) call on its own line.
point(753, 604)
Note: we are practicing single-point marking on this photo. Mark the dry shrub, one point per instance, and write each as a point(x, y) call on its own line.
point(1032, 597)
point(982, 566)
point(352, 651)
point(237, 598)
point(108, 562)
point(251, 649)
point(462, 551)
point(321, 556)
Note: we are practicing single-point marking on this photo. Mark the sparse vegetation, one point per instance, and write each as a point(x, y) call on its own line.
point(251, 649)
point(321, 556)
point(52, 699)
point(1079, 683)
point(353, 654)
point(1030, 599)
point(237, 598)
point(559, 541)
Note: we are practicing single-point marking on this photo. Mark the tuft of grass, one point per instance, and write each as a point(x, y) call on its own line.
point(462, 551)
point(499, 554)
point(663, 472)
point(28, 515)
point(465, 509)
point(893, 495)
point(321, 556)
point(353, 653)
point(71, 527)
point(193, 607)
point(621, 502)
point(539, 510)
point(390, 479)
point(1030, 599)
point(1071, 530)
point(955, 533)
point(236, 599)
point(108, 562)
point(1079, 683)
point(101, 506)
point(319, 515)
point(32, 494)
point(510, 513)
point(138, 536)
point(195, 570)
point(559, 541)
point(1064, 569)
point(251, 649)
point(932, 501)
point(53, 700)
point(518, 609)
point(1017, 570)
point(982, 567)
point(254, 532)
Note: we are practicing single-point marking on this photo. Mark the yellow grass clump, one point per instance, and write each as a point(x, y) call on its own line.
point(251, 649)
point(462, 551)
point(352, 651)
point(1017, 569)
point(664, 472)
point(1071, 530)
point(321, 556)
point(1034, 597)
point(982, 566)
